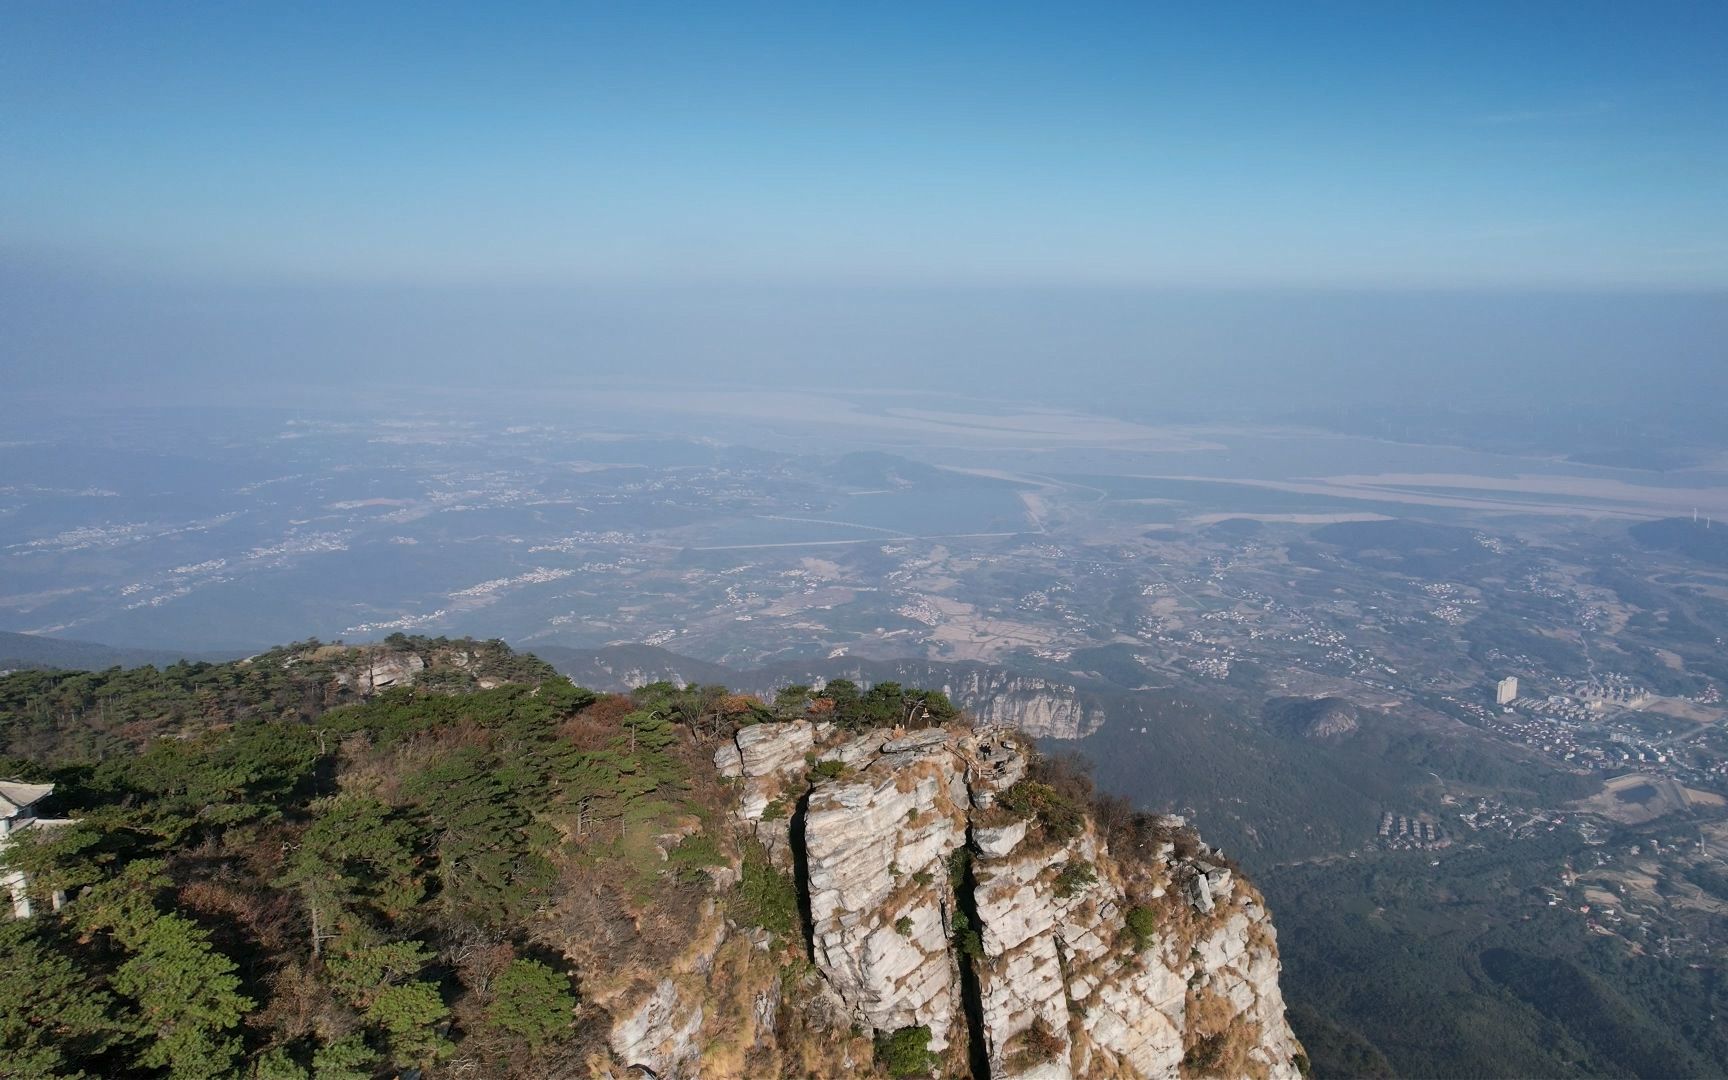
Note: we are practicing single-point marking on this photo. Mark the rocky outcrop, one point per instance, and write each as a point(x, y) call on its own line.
point(1185, 984)
point(769, 761)
point(380, 669)
point(663, 1029)
point(1039, 707)
point(365, 670)
point(876, 845)
point(1045, 708)
point(1313, 718)
point(939, 891)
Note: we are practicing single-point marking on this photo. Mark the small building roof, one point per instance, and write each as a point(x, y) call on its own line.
point(15, 795)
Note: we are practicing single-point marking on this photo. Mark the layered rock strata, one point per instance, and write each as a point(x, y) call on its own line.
point(931, 900)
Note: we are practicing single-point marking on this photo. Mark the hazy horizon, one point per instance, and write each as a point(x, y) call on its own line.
point(1200, 353)
point(1224, 214)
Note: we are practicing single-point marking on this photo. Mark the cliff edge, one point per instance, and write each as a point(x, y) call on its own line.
point(958, 913)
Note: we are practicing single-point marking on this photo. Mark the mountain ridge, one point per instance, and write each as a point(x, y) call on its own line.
point(21, 651)
point(1042, 706)
point(441, 855)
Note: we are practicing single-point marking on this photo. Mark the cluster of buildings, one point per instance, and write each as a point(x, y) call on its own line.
point(1492, 543)
point(1597, 726)
point(1211, 667)
point(920, 609)
point(1451, 612)
point(1560, 707)
point(1568, 731)
point(1612, 689)
point(1572, 729)
point(1402, 832)
point(1452, 602)
point(1495, 816)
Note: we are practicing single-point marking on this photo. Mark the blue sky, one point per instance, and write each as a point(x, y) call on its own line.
point(1378, 145)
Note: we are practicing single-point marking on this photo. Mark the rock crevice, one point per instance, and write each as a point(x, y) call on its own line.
point(1025, 950)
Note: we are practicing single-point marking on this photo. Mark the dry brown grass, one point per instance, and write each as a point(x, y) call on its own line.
point(611, 710)
point(1217, 1039)
point(1035, 1045)
point(299, 1004)
point(730, 1033)
point(815, 1037)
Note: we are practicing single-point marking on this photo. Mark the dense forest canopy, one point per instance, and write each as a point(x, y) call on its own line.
point(273, 873)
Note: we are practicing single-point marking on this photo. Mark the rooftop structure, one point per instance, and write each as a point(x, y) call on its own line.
point(18, 812)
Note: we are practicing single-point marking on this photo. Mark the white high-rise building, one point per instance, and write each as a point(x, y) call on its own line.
point(1506, 691)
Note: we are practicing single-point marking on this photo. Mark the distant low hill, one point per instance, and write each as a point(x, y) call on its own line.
point(628, 667)
point(54, 715)
point(20, 652)
point(1702, 540)
point(1419, 548)
point(1236, 529)
point(1313, 718)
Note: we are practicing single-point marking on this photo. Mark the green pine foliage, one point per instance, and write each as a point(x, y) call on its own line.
point(254, 843)
point(1058, 815)
point(409, 1014)
point(347, 1058)
point(967, 940)
point(276, 1063)
point(906, 1052)
point(885, 704)
point(766, 897)
point(532, 1001)
point(272, 876)
point(186, 996)
point(1075, 877)
point(55, 1016)
point(1142, 927)
point(64, 716)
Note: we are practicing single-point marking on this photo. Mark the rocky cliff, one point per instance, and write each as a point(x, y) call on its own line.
point(955, 916)
point(1045, 708)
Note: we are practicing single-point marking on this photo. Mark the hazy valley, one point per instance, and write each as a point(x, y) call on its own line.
point(1165, 602)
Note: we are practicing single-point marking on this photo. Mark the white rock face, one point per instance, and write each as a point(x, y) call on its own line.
point(995, 762)
point(1021, 976)
point(928, 739)
point(728, 761)
point(861, 751)
point(1046, 953)
point(399, 670)
point(381, 671)
point(767, 749)
point(996, 842)
point(661, 1033)
point(1064, 989)
point(770, 759)
point(1039, 707)
point(877, 847)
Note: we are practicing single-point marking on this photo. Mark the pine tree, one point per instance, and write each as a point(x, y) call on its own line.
point(188, 1000)
point(531, 1000)
point(53, 1015)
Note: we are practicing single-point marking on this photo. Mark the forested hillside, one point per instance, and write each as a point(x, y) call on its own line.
point(66, 715)
point(1394, 969)
point(276, 872)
